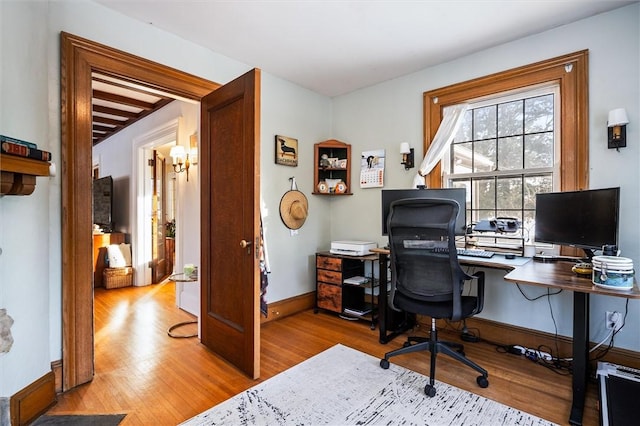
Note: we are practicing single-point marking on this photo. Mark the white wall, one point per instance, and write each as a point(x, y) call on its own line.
point(379, 117)
point(384, 115)
point(30, 105)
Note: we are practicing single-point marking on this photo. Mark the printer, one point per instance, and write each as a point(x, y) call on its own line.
point(352, 248)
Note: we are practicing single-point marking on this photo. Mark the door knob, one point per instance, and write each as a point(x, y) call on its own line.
point(245, 243)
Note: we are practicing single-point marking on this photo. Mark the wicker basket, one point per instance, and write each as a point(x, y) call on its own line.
point(118, 277)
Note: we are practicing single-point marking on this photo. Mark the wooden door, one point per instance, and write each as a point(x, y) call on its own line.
point(158, 212)
point(230, 217)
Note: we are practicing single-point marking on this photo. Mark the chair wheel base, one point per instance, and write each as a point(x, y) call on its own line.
point(384, 363)
point(430, 391)
point(482, 381)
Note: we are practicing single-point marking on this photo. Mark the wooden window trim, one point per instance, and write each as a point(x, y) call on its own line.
point(574, 88)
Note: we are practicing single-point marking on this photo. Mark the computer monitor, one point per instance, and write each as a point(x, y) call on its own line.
point(584, 219)
point(457, 194)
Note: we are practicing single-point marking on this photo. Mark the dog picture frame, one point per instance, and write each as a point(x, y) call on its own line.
point(286, 152)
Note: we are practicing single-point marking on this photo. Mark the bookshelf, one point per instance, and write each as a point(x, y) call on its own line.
point(19, 174)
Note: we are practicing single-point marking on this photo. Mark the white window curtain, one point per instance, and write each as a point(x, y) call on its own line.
point(451, 120)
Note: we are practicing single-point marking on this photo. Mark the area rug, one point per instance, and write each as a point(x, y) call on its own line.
point(80, 420)
point(342, 386)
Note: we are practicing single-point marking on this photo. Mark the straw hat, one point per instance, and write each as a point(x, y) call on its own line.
point(293, 209)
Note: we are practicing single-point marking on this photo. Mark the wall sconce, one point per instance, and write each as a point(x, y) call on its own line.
point(407, 155)
point(193, 149)
point(180, 160)
point(617, 128)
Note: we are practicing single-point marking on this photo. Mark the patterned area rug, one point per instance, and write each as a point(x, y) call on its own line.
point(342, 386)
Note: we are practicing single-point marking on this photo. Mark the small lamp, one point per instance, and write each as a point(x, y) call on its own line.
point(178, 154)
point(617, 128)
point(407, 155)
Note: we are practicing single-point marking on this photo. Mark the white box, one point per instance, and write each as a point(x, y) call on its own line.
point(352, 248)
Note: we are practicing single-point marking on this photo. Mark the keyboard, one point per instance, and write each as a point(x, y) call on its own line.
point(467, 252)
point(486, 254)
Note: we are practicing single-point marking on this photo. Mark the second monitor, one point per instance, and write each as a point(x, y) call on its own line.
point(457, 194)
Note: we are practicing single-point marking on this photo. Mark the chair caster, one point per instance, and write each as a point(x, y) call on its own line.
point(430, 391)
point(482, 381)
point(384, 363)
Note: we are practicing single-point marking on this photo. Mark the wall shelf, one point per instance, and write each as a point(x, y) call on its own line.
point(337, 169)
point(19, 174)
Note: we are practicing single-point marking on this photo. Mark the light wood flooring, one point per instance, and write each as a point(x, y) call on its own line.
point(159, 380)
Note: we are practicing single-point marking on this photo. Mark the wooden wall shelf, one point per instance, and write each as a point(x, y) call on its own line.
point(337, 171)
point(19, 174)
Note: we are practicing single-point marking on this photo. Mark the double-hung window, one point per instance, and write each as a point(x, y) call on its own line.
point(506, 150)
point(525, 131)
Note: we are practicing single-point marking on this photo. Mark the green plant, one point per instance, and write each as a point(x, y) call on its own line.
point(170, 229)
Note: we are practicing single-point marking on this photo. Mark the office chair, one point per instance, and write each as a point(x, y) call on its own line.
point(427, 278)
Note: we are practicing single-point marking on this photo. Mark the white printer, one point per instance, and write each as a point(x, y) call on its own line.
point(352, 248)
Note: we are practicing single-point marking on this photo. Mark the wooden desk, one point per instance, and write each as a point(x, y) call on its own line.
point(558, 275)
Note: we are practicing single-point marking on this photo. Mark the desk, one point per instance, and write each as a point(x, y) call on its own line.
point(556, 275)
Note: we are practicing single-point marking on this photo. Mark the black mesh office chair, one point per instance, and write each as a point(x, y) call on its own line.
point(427, 278)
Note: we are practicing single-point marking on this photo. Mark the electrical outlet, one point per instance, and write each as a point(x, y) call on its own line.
point(613, 320)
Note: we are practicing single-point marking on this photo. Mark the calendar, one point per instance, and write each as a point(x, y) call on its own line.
point(372, 169)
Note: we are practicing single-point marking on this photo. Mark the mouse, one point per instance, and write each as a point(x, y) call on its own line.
point(510, 256)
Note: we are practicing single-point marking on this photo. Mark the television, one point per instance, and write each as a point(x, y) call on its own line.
point(103, 203)
point(457, 194)
point(586, 219)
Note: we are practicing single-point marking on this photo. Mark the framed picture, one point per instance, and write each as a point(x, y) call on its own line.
point(286, 151)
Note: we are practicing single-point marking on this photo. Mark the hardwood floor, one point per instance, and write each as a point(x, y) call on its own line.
point(156, 379)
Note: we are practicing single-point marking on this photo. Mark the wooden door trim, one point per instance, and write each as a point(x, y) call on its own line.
point(79, 57)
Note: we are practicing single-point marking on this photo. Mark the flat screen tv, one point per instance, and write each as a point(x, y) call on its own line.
point(584, 219)
point(103, 203)
point(457, 194)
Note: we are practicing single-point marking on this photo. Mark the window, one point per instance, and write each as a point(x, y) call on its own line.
point(494, 156)
point(505, 152)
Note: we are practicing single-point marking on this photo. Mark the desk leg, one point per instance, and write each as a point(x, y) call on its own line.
point(382, 298)
point(383, 307)
point(580, 355)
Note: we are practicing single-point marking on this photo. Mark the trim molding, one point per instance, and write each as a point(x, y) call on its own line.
point(492, 331)
point(33, 400)
point(286, 307)
point(507, 334)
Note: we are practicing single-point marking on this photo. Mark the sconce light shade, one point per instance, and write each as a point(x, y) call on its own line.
point(180, 158)
point(177, 153)
point(407, 155)
point(617, 128)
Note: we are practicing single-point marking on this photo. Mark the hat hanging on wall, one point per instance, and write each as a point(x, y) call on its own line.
point(294, 208)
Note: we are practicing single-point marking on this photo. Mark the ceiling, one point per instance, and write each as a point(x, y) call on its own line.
point(117, 104)
point(332, 47)
point(335, 47)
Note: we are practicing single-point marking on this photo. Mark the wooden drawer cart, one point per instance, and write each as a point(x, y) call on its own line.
point(349, 300)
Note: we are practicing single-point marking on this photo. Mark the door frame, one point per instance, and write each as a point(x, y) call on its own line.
point(79, 57)
point(140, 231)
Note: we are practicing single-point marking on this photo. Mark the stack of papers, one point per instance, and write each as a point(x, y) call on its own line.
point(357, 280)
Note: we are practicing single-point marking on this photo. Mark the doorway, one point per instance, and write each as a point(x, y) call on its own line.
point(78, 58)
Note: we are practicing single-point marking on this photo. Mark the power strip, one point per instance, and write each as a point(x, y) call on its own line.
point(531, 354)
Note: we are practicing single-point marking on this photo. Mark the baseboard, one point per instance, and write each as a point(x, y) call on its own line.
point(56, 367)
point(30, 402)
point(506, 334)
point(289, 306)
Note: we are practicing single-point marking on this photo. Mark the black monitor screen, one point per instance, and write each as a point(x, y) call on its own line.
point(584, 219)
point(457, 194)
